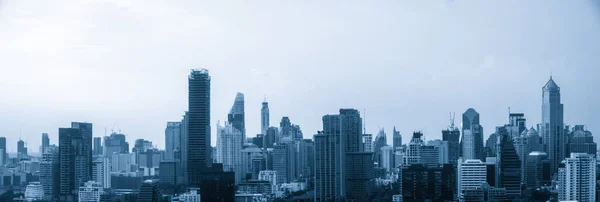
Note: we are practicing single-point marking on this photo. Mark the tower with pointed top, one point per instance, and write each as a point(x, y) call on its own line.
point(552, 128)
point(397, 139)
point(264, 118)
point(472, 139)
point(236, 115)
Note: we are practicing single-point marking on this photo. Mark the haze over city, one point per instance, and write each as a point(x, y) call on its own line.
point(123, 65)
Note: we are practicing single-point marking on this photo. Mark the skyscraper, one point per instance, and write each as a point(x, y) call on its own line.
point(472, 141)
point(86, 133)
point(577, 178)
point(264, 117)
point(236, 115)
point(413, 154)
point(271, 137)
point(552, 128)
point(538, 170)
point(471, 175)
point(360, 174)
point(582, 141)
point(22, 150)
point(534, 141)
point(397, 141)
point(149, 192)
point(452, 136)
point(284, 162)
point(98, 146)
point(172, 139)
point(380, 141)
point(49, 167)
point(508, 166)
point(115, 143)
point(3, 148)
point(101, 169)
point(229, 146)
point(72, 165)
point(45, 142)
point(198, 140)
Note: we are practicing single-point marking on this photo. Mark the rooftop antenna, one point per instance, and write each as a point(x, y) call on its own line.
point(365, 121)
point(452, 117)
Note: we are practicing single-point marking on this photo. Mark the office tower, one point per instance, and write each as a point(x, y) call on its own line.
point(101, 172)
point(115, 143)
point(98, 146)
point(387, 158)
point(328, 178)
point(534, 140)
point(122, 162)
point(252, 162)
point(442, 150)
point(367, 140)
point(306, 158)
point(471, 175)
point(397, 139)
point(413, 154)
point(380, 141)
point(142, 145)
point(430, 156)
point(169, 172)
point(45, 142)
point(271, 137)
point(73, 162)
point(229, 146)
point(582, 141)
point(264, 117)
point(172, 139)
point(577, 178)
point(49, 169)
point(90, 191)
point(198, 132)
point(508, 166)
point(472, 141)
point(86, 133)
point(452, 136)
point(351, 130)
point(21, 150)
point(284, 162)
point(183, 151)
point(552, 126)
point(149, 192)
point(149, 161)
point(285, 128)
point(217, 185)
point(492, 142)
point(236, 116)
point(3, 148)
point(521, 144)
point(538, 170)
point(516, 124)
point(360, 174)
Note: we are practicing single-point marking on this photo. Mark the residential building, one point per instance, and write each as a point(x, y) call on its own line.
point(471, 175)
point(577, 178)
point(229, 146)
point(172, 139)
point(90, 192)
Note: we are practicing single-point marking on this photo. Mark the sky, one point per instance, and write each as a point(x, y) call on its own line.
point(123, 64)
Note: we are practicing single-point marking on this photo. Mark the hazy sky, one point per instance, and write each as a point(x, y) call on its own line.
point(124, 64)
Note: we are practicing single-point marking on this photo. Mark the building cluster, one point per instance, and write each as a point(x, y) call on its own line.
point(341, 162)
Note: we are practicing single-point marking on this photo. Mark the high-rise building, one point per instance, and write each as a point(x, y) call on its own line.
point(22, 150)
point(582, 141)
point(538, 170)
point(149, 161)
point(552, 127)
point(3, 148)
point(387, 158)
point(86, 133)
point(305, 158)
point(198, 132)
point(521, 144)
point(183, 151)
point(328, 179)
point(413, 153)
point(516, 124)
point(229, 146)
point(577, 178)
point(45, 142)
point(380, 141)
point(49, 167)
point(452, 136)
point(98, 146)
point(252, 162)
point(284, 162)
point(172, 139)
point(367, 140)
point(471, 175)
point(285, 128)
point(534, 140)
point(115, 143)
point(149, 192)
point(442, 149)
point(73, 162)
point(360, 174)
point(169, 172)
point(397, 139)
point(264, 117)
point(236, 116)
point(271, 137)
point(508, 166)
point(101, 172)
point(472, 141)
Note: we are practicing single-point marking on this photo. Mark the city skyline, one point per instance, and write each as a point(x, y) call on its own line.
point(414, 84)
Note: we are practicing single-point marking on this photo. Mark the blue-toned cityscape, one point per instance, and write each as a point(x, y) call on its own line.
point(520, 161)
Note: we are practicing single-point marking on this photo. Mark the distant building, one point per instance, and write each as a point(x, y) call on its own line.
point(380, 141)
point(538, 170)
point(73, 162)
point(45, 142)
point(271, 137)
point(387, 158)
point(101, 172)
point(577, 178)
point(284, 162)
point(360, 179)
point(49, 167)
point(397, 141)
point(452, 136)
point(3, 153)
point(252, 162)
point(198, 149)
point(22, 150)
point(115, 143)
point(367, 140)
point(34, 192)
point(169, 172)
point(264, 118)
point(149, 192)
point(472, 142)
point(552, 127)
point(413, 153)
point(229, 146)
point(471, 175)
point(172, 139)
point(582, 141)
point(90, 192)
point(236, 116)
point(149, 161)
point(508, 167)
point(98, 146)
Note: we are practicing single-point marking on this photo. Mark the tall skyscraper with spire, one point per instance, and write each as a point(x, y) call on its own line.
point(236, 115)
point(198, 136)
point(552, 128)
point(264, 117)
point(472, 139)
